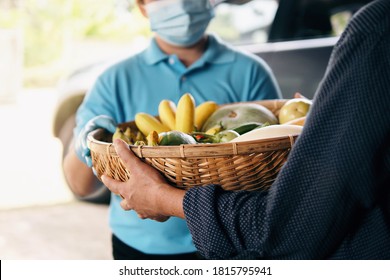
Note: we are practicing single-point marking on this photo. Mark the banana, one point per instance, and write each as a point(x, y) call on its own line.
point(203, 112)
point(146, 123)
point(119, 134)
point(152, 138)
point(128, 133)
point(185, 114)
point(167, 113)
point(139, 143)
point(214, 130)
point(139, 136)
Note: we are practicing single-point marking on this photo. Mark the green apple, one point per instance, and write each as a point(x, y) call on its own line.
point(294, 109)
point(226, 136)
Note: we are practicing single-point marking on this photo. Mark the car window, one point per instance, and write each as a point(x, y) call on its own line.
point(260, 21)
point(323, 18)
point(246, 23)
point(341, 15)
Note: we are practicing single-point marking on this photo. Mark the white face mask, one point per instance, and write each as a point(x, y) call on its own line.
point(180, 22)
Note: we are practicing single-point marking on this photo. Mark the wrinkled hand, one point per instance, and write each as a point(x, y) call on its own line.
point(81, 148)
point(144, 187)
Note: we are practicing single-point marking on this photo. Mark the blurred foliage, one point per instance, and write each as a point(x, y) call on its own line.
point(10, 18)
point(52, 27)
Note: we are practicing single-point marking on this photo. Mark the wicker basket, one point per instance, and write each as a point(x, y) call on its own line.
point(236, 166)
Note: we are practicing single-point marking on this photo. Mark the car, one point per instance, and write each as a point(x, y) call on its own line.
point(295, 38)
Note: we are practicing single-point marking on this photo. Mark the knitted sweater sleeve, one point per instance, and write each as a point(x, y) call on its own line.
point(330, 194)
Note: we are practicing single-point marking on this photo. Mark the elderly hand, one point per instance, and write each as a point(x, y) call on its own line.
point(146, 191)
point(81, 148)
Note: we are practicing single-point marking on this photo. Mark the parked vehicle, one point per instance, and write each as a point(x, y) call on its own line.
point(295, 38)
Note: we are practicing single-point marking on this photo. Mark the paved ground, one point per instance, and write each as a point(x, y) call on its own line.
point(69, 231)
point(39, 218)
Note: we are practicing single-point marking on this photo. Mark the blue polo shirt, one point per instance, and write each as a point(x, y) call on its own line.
point(138, 84)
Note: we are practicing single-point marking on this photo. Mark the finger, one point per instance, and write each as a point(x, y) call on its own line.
point(157, 218)
point(125, 206)
point(128, 158)
point(113, 185)
point(161, 219)
point(141, 216)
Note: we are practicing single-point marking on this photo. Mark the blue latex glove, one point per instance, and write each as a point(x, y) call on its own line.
point(81, 147)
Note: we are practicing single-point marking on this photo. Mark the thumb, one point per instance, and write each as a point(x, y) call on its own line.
point(122, 149)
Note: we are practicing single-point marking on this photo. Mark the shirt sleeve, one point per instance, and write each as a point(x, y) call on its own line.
point(334, 178)
point(98, 101)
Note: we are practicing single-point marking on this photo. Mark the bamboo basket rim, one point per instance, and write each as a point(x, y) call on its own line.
point(196, 150)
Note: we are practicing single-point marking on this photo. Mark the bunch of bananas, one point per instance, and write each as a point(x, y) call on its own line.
point(185, 118)
point(129, 136)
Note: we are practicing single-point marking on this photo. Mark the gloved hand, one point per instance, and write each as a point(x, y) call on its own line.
point(81, 148)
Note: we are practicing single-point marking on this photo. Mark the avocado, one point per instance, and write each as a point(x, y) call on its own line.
point(175, 138)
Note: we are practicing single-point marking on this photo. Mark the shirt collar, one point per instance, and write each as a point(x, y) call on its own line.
point(216, 53)
point(153, 53)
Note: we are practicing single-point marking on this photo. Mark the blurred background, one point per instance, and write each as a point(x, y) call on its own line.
point(41, 42)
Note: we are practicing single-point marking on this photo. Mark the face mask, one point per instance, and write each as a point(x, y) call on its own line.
point(180, 22)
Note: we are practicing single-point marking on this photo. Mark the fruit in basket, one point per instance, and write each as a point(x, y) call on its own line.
point(294, 109)
point(214, 130)
point(167, 113)
point(202, 137)
point(203, 112)
point(246, 127)
point(226, 136)
point(139, 143)
point(220, 137)
point(152, 138)
point(231, 116)
point(299, 121)
point(128, 133)
point(147, 123)
point(139, 136)
point(269, 132)
point(174, 138)
point(185, 114)
point(120, 134)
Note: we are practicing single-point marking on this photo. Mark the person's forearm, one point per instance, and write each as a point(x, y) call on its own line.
point(170, 201)
point(79, 176)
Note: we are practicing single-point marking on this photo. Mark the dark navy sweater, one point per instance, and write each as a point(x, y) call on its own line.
point(331, 199)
